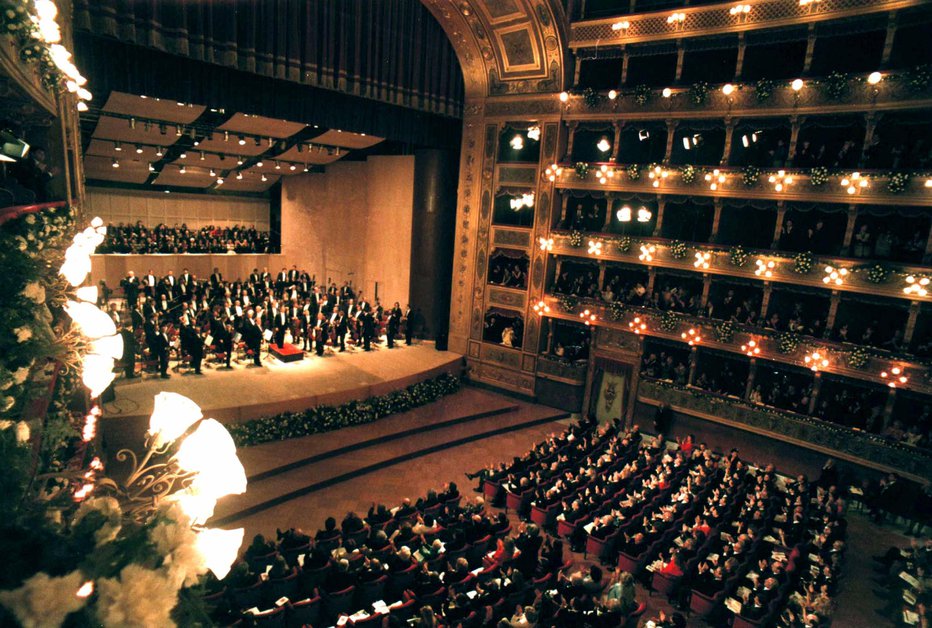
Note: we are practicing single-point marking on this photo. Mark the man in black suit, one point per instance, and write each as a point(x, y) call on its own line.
point(394, 320)
point(409, 324)
point(368, 324)
point(338, 322)
point(216, 278)
point(252, 336)
point(130, 287)
point(149, 284)
point(193, 345)
point(160, 347)
point(279, 324)
point(223, 338)
point(128, 359)
point(320, 334)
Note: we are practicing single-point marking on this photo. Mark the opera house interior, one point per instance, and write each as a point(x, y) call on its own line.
point(466, 313)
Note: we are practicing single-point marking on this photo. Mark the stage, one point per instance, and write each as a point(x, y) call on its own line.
point(248, 391)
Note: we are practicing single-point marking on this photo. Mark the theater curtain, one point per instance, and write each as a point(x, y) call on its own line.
point(393, 51)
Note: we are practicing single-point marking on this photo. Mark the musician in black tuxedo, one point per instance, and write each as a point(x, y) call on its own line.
point(409, 324)
point(394, 320)
point(254, 276)
point(128, 359)
point(252, 336)
point(193, 345)
point(216, 278)
point(368, 324)
point(223, 338)
point(130, 287)
point(149, 283)
point(320, 334)
point(280, 323)
point(338, 322)
point(160, 348)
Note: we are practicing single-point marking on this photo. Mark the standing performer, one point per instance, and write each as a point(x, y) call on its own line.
point(320, 334)
point(338, 321)
point(160, 348)
point(130, 287)
point(409, 324)
point(394, 319)
point(128, 358)
point(367, 328)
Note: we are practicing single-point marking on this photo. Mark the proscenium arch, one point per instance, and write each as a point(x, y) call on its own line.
point(506, 46)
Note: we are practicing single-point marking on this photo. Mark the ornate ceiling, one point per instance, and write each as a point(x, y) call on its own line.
point(506, 46)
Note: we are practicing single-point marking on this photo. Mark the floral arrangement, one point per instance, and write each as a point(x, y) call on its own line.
point(764, 89)
point(859, 358)
point(624, 244)
point(877, 273)
point(802, 263)
point(750, 176)
point(669, 321)
point(818, 176)
point(698, 92)
point(633, 171)
point(787, 342)
point(327, 418)
point(678, 249)
point(688, 174)
point(591, 97)
point(576, 238)
point(738, 256)
point(568, 302)
point(918, 78)
point(582, 169)
point(724, 331)
point(898, 182)
point(835, 85)
point(642, 94)
point(616, 310)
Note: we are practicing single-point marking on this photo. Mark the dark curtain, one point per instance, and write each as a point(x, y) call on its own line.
point(113, 66)
point(392, 50)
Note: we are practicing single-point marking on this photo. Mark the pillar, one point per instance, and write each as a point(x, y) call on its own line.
point(888, 408)
point(570, 137)
point(614, 157)
point(693, 355)
point(814, 397)
point(729, 133)
point(716, 218)
point(659, 224)
point(608, 212)
point(765, 301)
point(834, 300)
point(781, 212)
point(794, 137)
point(752, 371)
point(680, 58)
point(671, 129)
point(849, 229)
point(739, 64)
point(434, 219)
point(914, 308)
point(706, 288)
point(625, 57)
point(810, 47)
point(888, 42)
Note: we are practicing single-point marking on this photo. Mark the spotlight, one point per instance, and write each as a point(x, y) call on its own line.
point(764, 269)
point(874, 77)
point(226, 136)
point(624, 214)
point(834, 275)
point(751, 349)
point(241, 141)
point(541, 308)
point(132, 123)
point(239, 176)
point(202, 156)
point(815, 361)
point(278, 165)
point(604, 145)
point(239, 161)
point(138, 149)
point(797, 85)
point(667, 92)
point(564, 96)
point(588, 317)
point(182, 169)
point(728, 89)
point(117, 147)
point(151, 168)
point(179, 130)
point(691, 336)
point(517, 142)
point(264, 178)
point(702, 260)
point(637, 325)
point(533, 133)
point(183, 155)
point(115, 162)
point(212, 173)
point(220, 181)
point(158, 152)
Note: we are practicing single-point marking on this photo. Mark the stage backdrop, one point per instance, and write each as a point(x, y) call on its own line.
point(353, 223)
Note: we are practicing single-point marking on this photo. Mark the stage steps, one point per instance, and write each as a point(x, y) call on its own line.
point(300, 477)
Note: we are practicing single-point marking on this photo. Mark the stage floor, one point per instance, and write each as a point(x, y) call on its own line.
point(248, 391)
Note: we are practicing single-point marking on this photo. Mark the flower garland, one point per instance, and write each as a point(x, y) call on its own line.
point(616, 310)
point(698, 93)
point(918, 78)
point(787, 342)
point(591, 97)
point(582, 170)
point(576, 238)
point(327, 418)
point(802, 263)
point(764, 89)
point(835, 85)
point(877, 273)
point(669, 321)
point(818, 176)
point(688, 174)
point(568, 302)
point(898, 182)
point(859, 358)
point(724, 331)
point(750, 176)
point(678, 249)
point(642, 94)
point(738, 256)
point(624, 244)
point(633, 171)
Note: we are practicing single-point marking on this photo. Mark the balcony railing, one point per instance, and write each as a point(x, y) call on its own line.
point(850, 443)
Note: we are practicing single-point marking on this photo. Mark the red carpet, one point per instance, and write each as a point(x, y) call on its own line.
point(287, 352)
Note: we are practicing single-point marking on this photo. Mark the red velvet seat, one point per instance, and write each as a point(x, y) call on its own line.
point(272, 617)
point(545, 517)
point(339, 602)
point(664, 584)
point(303, 612)
point(517, 501)
point(491, 490)
point(369, 592)
point(702, 604)
point(565, 528)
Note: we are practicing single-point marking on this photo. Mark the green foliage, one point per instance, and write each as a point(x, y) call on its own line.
point(568, 302)
point(591, 97)
point(669, 321)
point(738, 256)
point(750, 176)
point(835, 85)
point(633, 171)
point(698, 93)
point(624, 244)
point(802, 263)
point(818, 176)
point(582, 170)
point(678, 249)
point(787, 342)
point(688, 174)
point(724, 331)
point(328, 418)
point(616, 310)
point(642, 94)
point(764, 89)
point(576, 238)
point(859, 358)
point(877, 273)
point(898, 182)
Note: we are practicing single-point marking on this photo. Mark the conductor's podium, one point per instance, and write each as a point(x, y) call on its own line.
point(287, 352)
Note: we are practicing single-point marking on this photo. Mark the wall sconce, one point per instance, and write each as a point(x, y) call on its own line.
point(605, 173)
point(564, 96)
point(667, 92)
point(780, 180)
point(815, 361)
point(916, 286)
point(716, 178)
point(603, 144)
point(835, 275)
point(553, 171)
point(621, 26)
point(702, 259)
point(595, 248)
point(525, 200)
point(691, 337)
point(676, 20)
point(588, 317)
point(854, 183)
point(612, 94)
point(657, 175)
point(647, 252)
point(644, 215)
point(546, 244)
point(894, 377)
point(764, 269)
point(541, 308)
point(637, 325)
point(517, 142)
point(741, 11)
point(751, 349)
point(533, 133)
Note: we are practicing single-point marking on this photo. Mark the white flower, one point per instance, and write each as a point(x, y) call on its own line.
point(44, 601)
point(110, 509)
point(8, 403)
point(5, 425)
point(22, 334)
point(177, 543)
point(20, 375)
point(22, 432)
point(30, 219)
point(21, 243)
point(140, 598)
point(34, 291)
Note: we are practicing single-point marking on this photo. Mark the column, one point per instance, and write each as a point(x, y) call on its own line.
point(716, 218)
point(693, 361)
point(870, 123)
point(914, 308)
point(671, 129)
point(614, 157)
point(564, 202)
point(576, 70)
point(849, 229)
point(608, 212)
point(888, 42)
point(661, 202)
point(752, 371)
point(810, 47)
point(888, 408)
point(570, 136)
point(765, 301)
point(729, 133)
point(739, 64)
point(549, 335)
point(814, 398)
point(781, 212)
point(680, 57)
point(706, 288)
point(434, 214)
point(794, 136)
point(624, 62)
point(834, 300)
point(651, 276)
point(601, 276)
